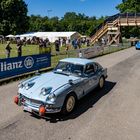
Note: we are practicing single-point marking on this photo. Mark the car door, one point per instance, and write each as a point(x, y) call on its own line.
point(91, 79)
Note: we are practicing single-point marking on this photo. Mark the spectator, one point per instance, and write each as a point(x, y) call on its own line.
point(103, 41)
point(41, 45)
point(74, 43)
point(57, 47)
point(19, 48)
point(61, 42)
point(80, 54)
point(24, 41)
point(88, 42)
point(79, 43)
point(8, 49)
point(46, 45)
point(67, 45)
point(64, 42)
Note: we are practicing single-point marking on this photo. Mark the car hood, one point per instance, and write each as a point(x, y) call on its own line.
point(47, 80)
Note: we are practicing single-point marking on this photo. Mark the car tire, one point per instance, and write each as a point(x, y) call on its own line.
point(69, 104)
point(101, 82)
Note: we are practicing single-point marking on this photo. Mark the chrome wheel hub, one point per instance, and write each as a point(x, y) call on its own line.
point(70, 104)
point(101, 83)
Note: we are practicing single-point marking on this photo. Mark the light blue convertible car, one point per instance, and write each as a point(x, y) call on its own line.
point(59, 90)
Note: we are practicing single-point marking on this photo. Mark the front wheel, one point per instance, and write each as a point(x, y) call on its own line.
point(69, 104)
point(101, 82)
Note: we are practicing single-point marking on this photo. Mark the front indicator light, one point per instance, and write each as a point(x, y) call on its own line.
point(16, 100)
point(42, 110)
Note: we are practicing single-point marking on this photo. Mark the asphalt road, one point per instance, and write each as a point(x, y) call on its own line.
point(110, 114)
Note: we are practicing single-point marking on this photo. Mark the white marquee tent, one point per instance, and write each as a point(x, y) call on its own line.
point(52, 36)
point(10, 36)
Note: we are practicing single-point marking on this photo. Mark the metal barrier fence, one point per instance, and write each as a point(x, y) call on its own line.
point(91, 51)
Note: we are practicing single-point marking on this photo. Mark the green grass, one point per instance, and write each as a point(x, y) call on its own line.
point(26, 50)
point(30, 50)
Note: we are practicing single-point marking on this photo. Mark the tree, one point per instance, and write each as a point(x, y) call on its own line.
point(13, 17)
point(79, 22)
point(131, 6)
point(70, 16)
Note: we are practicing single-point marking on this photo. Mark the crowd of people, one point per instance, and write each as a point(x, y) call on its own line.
point(68, 44)
point(44, 44)
point(8, 48)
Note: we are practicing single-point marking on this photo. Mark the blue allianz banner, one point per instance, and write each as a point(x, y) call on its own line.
point(19, 65)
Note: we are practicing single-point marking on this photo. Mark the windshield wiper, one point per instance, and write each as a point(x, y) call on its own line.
point(61, 73)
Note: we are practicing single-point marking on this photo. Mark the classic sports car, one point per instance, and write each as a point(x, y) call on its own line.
point(58, 91)
point(137, 45)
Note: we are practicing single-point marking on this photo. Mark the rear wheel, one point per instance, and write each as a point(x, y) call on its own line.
point(69, 104)
point(101, 82)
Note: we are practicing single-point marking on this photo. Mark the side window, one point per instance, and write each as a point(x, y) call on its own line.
point(95, 67)
point(99, 67)
point(89, 69)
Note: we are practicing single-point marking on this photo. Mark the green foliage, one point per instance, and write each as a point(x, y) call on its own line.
point(130, 32)
point(70, 22)
point(130, 6)
point(13, 17)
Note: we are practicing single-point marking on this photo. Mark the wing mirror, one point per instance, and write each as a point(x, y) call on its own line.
point(71, 82)
point(86, 75)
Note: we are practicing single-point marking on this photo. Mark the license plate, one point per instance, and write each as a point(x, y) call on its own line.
point(27, 109)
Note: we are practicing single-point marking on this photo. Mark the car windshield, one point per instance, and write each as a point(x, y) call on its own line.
point(69, 69)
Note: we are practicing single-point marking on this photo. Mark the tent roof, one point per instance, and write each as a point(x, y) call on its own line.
point(10, 36)
point(49, 34)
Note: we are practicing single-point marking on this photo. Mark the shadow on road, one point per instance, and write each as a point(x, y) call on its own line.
point(83, 105)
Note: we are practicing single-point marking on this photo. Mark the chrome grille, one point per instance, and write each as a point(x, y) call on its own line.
point(31, 102)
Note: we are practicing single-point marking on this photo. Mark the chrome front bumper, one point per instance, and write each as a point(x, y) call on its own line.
point(36, 109)
point(31, 105)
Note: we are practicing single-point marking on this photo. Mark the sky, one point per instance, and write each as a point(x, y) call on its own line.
point(58, 8)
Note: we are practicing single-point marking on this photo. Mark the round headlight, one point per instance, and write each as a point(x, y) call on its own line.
point(52, 97)
point(45, 91)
